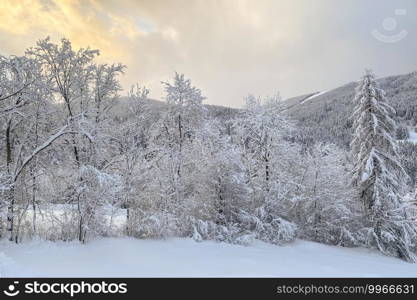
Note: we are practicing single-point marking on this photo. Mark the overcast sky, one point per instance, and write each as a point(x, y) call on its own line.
point(229, 48)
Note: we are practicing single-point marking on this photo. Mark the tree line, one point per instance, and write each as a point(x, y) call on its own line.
point(73, 164)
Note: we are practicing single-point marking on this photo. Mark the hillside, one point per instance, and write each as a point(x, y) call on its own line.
point(325, 116)
point(122, 110)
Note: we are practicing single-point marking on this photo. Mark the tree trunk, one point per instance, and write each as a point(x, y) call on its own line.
point(9, 193)
point(10, 212)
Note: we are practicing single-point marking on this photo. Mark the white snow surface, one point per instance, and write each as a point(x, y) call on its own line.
point(413, 137)
point(128, 257)
point(313, 96)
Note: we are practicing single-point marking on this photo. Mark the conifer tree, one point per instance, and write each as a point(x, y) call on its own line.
point(377, 173)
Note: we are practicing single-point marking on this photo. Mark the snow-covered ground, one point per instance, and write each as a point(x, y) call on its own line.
point(125, 257)
point(313, 96)
point(413, 137)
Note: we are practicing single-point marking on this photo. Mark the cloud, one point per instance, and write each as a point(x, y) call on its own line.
point(227, 47)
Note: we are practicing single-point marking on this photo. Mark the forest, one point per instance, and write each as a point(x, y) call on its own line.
point(80, 160)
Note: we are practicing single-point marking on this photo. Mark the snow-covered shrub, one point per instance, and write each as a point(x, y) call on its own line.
point(267, 227)
point(326, 210)
point(97, 191)
point(230, 233)
point(56, 222)
point(153, 225)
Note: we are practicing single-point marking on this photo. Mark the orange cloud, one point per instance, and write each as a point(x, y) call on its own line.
point(85, 23)
point(227, 47)
point(222, 45)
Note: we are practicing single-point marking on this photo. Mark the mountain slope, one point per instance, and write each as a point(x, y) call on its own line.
point(322, 116)
point(325, 116)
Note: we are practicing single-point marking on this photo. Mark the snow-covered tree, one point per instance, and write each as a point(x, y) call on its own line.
point(271, 166)
point(79, 161)
point(326, 211)
point(220, 187)
point(84, 93)
point(135, 156)
point(178, 132)
point(378, 174)
point(23, 101)
point(69, 73)
point(184, 114)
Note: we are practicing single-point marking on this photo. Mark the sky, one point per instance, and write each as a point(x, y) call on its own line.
point(228, 48)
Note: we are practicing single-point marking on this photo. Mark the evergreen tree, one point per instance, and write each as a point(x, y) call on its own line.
point(377, 173)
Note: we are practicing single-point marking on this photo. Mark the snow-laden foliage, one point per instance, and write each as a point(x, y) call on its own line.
point(326, 117)
point(97, 191)
point(378, 174)
point(78, 161)
point(54, 104)
point(327, 211)
point(266, 160)
point(408, 157)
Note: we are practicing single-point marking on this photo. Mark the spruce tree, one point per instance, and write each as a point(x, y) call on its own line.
point(377, 173)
